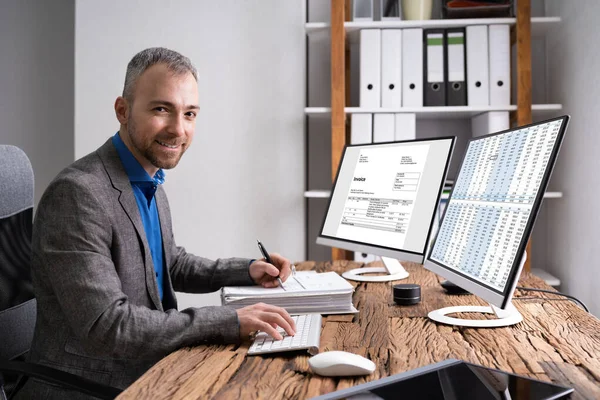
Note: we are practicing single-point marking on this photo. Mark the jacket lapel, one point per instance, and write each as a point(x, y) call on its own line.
point(164, 216)
point(120, 181)
point(166, 228)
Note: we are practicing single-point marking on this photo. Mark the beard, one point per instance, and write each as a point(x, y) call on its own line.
point(151, 150)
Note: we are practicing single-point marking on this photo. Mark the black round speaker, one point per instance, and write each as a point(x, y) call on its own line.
point(406, 294)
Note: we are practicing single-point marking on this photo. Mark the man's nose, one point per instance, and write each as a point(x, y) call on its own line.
point(177, 125)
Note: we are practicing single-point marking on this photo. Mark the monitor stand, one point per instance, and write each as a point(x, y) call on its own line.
point(507, 317)
point(395, 271)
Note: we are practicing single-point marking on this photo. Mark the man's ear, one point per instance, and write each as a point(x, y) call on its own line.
point(122, 110)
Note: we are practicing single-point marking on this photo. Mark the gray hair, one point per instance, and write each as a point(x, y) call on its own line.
point(143, 60)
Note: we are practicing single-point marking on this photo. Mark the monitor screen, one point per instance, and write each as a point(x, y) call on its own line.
point(385, 197)
point(492, 208)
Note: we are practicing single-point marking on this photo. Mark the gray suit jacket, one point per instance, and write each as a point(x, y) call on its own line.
point(99, 311)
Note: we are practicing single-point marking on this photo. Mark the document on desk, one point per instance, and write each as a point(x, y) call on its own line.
point(306, 292)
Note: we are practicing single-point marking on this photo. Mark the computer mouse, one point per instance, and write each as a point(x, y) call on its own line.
point(340, 363)
point(453, 288)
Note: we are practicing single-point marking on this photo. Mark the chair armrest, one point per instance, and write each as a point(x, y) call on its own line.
point(61, 378)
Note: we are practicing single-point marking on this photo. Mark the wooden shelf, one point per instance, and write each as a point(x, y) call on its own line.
point(539, 25)
point(324, 194)
point(539, 110)
point(553, 195)
point(317, 111)
point(316, 27)
point(317, 194)
point(546, 276)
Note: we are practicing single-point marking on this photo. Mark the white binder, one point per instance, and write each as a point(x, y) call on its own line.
point(499, 48)
point(405, 126)
point(478, 83)
point(362, 10)
point(412, 67)
point(383, 128)
point(489, 122)
point(361, 128)
point(370, 68)
point(391, 68)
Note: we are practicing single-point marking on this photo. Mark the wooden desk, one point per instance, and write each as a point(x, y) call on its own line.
point(557, 341)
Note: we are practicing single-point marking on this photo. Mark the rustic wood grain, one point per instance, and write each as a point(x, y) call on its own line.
point(574, 376)
point(557, 341)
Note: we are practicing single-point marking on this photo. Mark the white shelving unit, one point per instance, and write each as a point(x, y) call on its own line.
point(321, 31)
point(539, 25)
point(445, 112)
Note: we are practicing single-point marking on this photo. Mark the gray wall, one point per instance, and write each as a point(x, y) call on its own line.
point(243, 178)
point(573, 62)
point(36, 83)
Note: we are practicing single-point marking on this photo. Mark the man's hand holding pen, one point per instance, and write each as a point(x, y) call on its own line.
point(266, 273)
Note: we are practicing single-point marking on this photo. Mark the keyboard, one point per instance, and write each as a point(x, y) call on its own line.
point(308, 336)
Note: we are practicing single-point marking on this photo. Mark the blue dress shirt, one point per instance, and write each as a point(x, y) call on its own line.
point(144, 188)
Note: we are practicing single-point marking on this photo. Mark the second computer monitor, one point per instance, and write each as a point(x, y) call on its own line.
point(481, 242)
point(384, 201)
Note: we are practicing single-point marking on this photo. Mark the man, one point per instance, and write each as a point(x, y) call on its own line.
point(105, 264)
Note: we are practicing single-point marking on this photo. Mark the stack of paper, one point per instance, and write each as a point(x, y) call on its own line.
point(303, 293)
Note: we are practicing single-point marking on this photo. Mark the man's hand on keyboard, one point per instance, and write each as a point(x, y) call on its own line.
point(266, 318)
point(308, 334)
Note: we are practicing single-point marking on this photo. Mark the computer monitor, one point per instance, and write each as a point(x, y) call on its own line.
point(384, 201)
point(481, 242)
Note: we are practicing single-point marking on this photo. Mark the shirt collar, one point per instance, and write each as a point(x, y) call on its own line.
point(133, 168)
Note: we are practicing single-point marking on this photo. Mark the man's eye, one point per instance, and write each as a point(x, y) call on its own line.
point(191, 114)
point(160, 109)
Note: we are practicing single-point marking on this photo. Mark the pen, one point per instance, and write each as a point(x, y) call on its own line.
point(268, 258)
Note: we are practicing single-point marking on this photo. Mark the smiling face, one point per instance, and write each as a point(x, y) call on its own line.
point(158, 124)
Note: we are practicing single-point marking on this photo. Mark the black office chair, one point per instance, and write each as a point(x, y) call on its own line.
point(17, 302)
